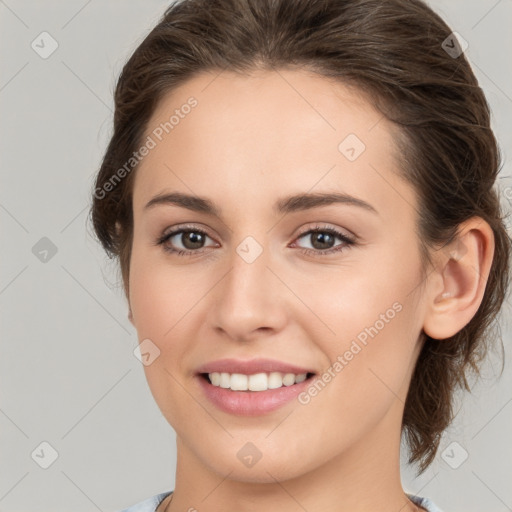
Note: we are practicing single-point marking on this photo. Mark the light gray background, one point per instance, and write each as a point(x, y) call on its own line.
point(68, 373)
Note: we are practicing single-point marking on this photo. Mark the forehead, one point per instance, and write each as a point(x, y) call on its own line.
point(249, 138)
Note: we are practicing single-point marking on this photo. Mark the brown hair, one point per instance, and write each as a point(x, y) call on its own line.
point(396, 51)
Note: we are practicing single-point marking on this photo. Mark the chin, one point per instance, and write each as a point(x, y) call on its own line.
point(268, 464)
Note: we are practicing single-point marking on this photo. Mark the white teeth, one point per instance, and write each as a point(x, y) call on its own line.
point(255, 382)
point(224, 380)
point(275, 380)
point(238, 382)
point(301, 377)
point(289, 379)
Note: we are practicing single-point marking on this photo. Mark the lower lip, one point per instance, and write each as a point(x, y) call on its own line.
point(251, 403)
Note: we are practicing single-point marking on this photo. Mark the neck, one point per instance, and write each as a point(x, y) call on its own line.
point(362, 479)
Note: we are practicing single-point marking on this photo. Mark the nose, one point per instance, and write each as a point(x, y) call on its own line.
point(250, 301)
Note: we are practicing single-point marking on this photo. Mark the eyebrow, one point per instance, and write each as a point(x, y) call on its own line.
point(294, 203)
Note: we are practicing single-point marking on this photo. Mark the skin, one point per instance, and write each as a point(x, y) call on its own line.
point(250, 141)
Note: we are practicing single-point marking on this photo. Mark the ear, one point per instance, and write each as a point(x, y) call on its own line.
point(457, 285)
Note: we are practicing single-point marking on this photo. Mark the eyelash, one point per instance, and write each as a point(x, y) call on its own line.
point(348, 241)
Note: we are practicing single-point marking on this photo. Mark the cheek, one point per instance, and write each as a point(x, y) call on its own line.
point(348, 302)
point(156, 294)
point(165, 304)
point(159, 301)
point(370, 320)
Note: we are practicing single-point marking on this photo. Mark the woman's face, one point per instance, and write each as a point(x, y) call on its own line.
point(257, 285)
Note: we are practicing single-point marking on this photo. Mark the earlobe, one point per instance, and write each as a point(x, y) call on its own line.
point(456, 289)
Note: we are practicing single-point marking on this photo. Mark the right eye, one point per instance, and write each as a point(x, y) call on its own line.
point(189, 236)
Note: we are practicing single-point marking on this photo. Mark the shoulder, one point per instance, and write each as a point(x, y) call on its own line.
point(149, 504)
point(426, 503)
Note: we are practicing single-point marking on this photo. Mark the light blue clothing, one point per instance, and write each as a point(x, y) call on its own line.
point(426, 503)
point(150, 504)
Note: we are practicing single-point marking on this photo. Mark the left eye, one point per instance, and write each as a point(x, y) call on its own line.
point(322, 237)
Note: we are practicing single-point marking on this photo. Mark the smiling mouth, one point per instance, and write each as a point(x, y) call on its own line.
point(256, 382)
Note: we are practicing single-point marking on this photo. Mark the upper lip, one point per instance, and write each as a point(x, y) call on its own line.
point(252, 366)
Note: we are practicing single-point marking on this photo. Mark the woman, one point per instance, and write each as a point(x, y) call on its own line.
point(300, 194)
